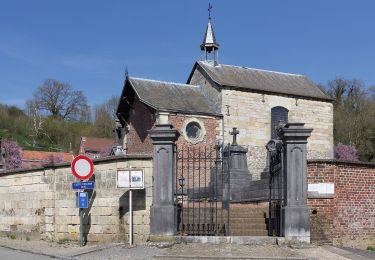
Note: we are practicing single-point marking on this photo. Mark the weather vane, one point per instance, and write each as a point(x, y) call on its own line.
point(209, 10)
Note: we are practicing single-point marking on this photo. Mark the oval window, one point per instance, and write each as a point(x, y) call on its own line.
point(193, 130)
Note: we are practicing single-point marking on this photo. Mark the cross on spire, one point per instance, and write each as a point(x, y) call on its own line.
point(209, 10)
point(234, 132)
point(209, 46)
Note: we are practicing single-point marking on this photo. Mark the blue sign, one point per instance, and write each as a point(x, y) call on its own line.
point(83, 200)
point(83, 185)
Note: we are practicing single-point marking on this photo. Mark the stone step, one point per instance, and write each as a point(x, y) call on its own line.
point(248, 215)
point(249, 220)
point(254, 232)
point(248, 226)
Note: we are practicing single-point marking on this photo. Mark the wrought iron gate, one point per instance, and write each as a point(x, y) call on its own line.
point(201, 191)
point(276, 186)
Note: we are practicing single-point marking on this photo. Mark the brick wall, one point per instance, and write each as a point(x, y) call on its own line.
point(39, 203)
point(211, 125)
point(348, 218)
point(196, 172)
point(140, 121)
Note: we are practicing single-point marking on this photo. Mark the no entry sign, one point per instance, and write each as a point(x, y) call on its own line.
point(82, 167)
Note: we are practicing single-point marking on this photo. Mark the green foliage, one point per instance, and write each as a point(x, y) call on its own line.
point(371, 248)
point(54, 133)
point(354, 110)
point(11, 236)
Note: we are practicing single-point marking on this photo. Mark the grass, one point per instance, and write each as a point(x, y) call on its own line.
point(11, 236)
point(63, 241)
point(25, 142)
point(371, 248)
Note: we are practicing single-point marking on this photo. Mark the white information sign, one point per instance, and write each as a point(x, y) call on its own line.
point(130, 179)
point(327, 188)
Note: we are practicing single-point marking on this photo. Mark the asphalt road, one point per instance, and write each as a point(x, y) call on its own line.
point(11, 254)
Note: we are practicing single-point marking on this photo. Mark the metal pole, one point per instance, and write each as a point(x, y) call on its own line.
point(130, 217)
point(81, 242)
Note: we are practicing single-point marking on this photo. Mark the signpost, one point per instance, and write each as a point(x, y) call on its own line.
point(88, 185)
point(82, 168)
point(130, 179)
point(83, 200)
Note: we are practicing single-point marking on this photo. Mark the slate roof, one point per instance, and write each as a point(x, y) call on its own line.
point(262, 80)
point(172, 97)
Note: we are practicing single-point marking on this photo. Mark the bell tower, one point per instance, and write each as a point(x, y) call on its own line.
point(209, 46)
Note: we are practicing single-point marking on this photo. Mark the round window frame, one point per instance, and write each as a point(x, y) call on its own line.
point(202, 132)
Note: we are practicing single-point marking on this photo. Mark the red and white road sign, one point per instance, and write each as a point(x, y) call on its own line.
point(82, 167)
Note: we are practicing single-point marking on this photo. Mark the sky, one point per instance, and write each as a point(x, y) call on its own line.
point(89, 43)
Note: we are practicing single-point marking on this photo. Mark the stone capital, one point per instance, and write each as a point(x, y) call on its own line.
point(163, 134)
point(295, 133)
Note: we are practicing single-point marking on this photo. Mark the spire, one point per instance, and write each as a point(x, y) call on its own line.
point(209, 46)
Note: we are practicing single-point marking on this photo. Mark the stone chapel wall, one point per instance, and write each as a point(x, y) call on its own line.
point(251, 114)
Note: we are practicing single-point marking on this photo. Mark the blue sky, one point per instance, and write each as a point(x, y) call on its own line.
point(89, 43)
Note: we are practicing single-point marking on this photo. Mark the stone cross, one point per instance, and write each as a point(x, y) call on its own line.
point(235, 132)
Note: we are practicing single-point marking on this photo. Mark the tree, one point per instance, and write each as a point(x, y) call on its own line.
point(353, 115)
point(36, 125)
point(105, 115)
point(60, 100)
point(345, 152)
point(13, 158)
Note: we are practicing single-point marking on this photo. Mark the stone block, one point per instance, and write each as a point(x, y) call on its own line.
point(49, 228)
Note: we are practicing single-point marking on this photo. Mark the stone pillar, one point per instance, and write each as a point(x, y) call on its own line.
point(295, 213)
point(235, 163)
point(163, 211)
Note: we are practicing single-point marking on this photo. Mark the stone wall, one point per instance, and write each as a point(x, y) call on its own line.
point(347, 218)
point(251, 114)
point(39, 203)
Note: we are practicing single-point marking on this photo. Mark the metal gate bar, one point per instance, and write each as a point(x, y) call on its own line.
point(276, 187)
point(199, 182)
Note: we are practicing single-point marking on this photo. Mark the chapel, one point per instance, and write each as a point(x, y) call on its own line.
point(218, 97)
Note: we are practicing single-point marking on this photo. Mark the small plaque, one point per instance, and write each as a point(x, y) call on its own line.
point(130, 179)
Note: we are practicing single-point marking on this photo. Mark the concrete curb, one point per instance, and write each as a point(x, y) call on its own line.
point(67, 257)
point(36, 253)
point(97, 249)
point(172, 257)
point(345, 253)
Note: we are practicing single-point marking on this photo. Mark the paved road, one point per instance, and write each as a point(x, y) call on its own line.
point(11, 254)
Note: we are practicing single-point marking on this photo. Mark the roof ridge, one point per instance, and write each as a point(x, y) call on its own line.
point(167, 82)
point(243, 67)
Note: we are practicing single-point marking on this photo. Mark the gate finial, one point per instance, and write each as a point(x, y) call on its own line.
point(235, 132)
